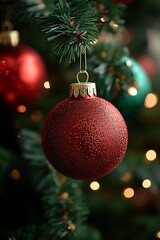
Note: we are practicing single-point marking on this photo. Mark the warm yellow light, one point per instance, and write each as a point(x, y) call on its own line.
point(128, 63)
point(132, 91)
point(158, 234)
point(46, 85)
point(94, 186)
point(15, 174)
point(71, 227)
point(146, 183)
point(126, 177)
point(128, 193)
point(151, 100)
point(113, 25)
point(151, 155)
point(103, 19)
point(21, 108)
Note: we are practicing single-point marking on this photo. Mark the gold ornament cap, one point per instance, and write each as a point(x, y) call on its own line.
point(8, 37)
point(83, 89)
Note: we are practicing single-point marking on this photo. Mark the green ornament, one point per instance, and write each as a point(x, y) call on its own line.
point(130, 106)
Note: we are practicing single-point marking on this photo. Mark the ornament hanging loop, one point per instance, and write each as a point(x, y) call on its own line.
point(83, 71)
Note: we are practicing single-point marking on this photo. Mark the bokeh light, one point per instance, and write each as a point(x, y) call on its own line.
point(71, 227)
point(21, 108)
point(103, 19)
point(146, 183)
point(128, 193)
point(47, 85)
point(132, 91)
point(15, 174)
point(151, 100)
point(128, 63)
point(94, 185)
point(158, 234)
point(151, 155)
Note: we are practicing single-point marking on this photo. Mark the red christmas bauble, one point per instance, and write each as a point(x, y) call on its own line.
point(84, 137)
point(22, 75)
point(123, 1)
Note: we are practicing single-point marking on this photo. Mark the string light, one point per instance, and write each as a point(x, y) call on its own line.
point(128, 193)
point(21, 108)
point(71, 227)
point(46, 85)
point(128, 63)
point(151, 155)
point(113, 25)
point(146, 183)
point(94, 186)
point(158, 234)
point(132, 91)
point(15, 174)
point(151, 100)
point(103, 19)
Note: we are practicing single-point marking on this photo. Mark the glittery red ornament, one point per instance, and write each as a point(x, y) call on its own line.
point(22, 75)
point(84, 137)
point(123, 1)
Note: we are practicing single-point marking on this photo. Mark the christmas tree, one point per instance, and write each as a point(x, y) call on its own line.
point(58, 182)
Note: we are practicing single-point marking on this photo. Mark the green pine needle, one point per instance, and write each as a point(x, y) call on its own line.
point(52, 209)
point(31, 6)
point(50, 190)
point(112, 15)
point(68, 26)
point(107, 68)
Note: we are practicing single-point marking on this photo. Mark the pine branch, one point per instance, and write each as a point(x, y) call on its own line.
point(108, 69)
point(35, 203)
point(23, 12)
point(68, 26)
point(31, 6)
point(110, 15)
point(64, 211)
